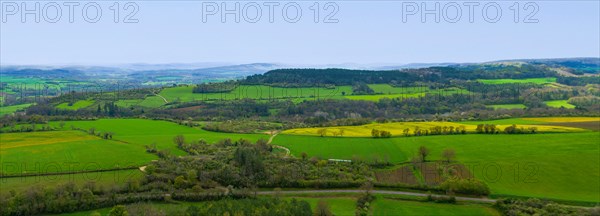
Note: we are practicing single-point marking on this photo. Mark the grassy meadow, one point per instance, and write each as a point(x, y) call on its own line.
point(559, 104)
point(337, 205)
point(142, 132)
point(562, 166)
point(391, 207)
point(507, 106)
point(101, 179)
point(388, 91)
point(4, 110)
point(345, 206)
point(534, 120)
point(66, 151)
point(72, 150)
point(263, 92)
point(77, 105)
point(562, 119)
point(257, 92)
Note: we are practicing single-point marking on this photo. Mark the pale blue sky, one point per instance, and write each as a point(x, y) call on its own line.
point(367, 32)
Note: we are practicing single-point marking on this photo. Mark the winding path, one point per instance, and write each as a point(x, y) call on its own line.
point(287, 150)
point(160, 96)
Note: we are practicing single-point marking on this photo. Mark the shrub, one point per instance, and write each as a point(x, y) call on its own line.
point(465, 186)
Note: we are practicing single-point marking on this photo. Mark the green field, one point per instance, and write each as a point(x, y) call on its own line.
point(4, 110)
point(66, 151)
point(101, 179)
point(263, 92)
point(530, 80)
point(562, 166)
point(257, 92)
point(388, 91)
point(509, 121)
point(337, 205)
point(559, 104)
point(151, 102)
point(381, 96)
point(77, 105)
point(141, 132)
point(128, 103)
point(346, 206)
point(391, 207)
point(36, 83)
point(507, 106)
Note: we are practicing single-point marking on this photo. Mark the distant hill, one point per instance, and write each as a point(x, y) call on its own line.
point(576, 66)
point(241, 70)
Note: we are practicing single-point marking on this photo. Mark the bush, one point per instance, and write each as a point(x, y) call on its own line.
point(465, 186)
point(516, 207)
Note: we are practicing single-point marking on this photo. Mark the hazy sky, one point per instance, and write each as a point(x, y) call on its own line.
point(366, 32)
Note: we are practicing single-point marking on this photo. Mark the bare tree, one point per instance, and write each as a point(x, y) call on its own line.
point(322, 132)
point(448, 154)
point(92, 131)
point(423, 152)
point(322, 209)
point(179, 140)
point(367, 187)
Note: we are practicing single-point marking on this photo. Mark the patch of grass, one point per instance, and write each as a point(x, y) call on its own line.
point(152, 101)
point(507, 106)
point(559, 104)
point(128, 103)
point(381, 96)
point(142, 132)
point(509, 121)
point(383, 206)
point(66, 151)
point(530, 80)
point(345, 206)
point(563, 119)
point(562, 166)
point(337, 205)
point(77, 105)
point(101, 179)
point(388, 91)
point(256, 92)
point(4, 110)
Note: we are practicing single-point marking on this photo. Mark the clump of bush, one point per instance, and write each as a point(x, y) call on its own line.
point(380, 133)
point(441, 199)
point(469, 186)
point(514, 207)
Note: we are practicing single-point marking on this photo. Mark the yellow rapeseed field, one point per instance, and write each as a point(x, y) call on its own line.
point(397, 128)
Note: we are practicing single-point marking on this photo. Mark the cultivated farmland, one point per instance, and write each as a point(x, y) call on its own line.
point(142, 132)
point(66, 151)
point(540, 174)
point(398, 128)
